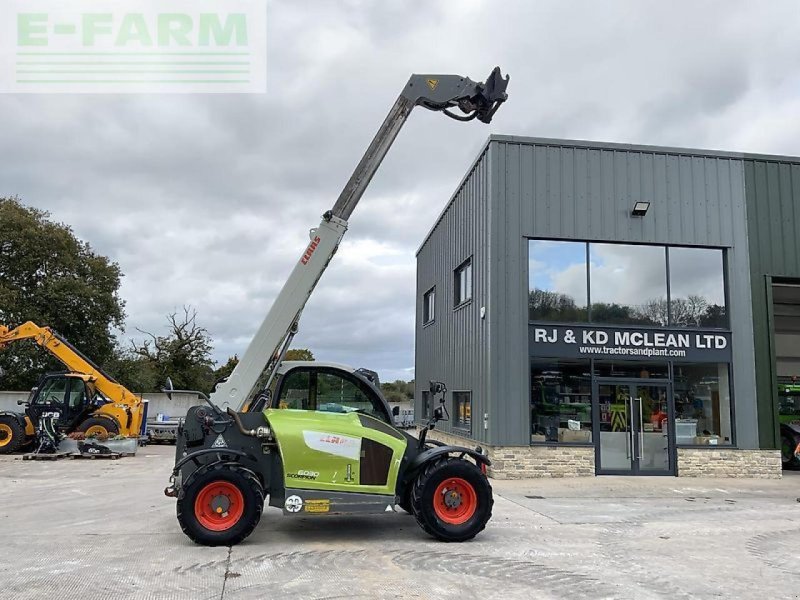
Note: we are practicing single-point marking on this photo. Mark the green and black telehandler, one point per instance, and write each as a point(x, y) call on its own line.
point(318, 438)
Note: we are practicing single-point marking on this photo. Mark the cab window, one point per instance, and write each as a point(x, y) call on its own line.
point(77, 393)
point(326, 392)
point(52, 392)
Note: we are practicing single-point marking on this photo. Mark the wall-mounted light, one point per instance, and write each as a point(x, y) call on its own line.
point(640, 209)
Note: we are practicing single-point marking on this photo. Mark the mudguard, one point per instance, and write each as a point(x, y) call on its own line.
point(20, 417)
point(427, 456)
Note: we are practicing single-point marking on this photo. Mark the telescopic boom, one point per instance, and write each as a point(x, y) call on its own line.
point(246, 385)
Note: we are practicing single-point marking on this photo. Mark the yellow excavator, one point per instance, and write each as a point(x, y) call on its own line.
point(82, 399)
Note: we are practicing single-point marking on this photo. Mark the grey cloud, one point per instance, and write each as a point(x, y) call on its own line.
point(207, 200)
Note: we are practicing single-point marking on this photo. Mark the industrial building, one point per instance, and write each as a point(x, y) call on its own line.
point(599, 308)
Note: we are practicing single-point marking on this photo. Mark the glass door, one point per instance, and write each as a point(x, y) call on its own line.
point(633, 427)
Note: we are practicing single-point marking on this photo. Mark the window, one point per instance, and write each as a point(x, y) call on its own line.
point(53, 392)
point(557, 281)
point(427, 408)
point(631, 369)
point(702, 404)
point(429, 306)
point(561, 401)
point(463, 282)
point(628, 284)
point(697, 288)
point(77, 393)
point(304, 389)
point(462, 410)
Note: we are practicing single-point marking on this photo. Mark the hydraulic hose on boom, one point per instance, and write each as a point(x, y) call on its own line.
point(246, 385)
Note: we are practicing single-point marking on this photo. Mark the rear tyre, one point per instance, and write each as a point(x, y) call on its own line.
point(452, 500)
point(789, 460)
point(220, 506)
point(12, 434)
point(99, 426)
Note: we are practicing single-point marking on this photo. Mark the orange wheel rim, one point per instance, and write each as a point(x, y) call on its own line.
point(455, 501)
point(5, 435)
point(219, 506)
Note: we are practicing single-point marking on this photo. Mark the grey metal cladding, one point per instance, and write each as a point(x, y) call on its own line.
point(573, 190)
point(773, 212)
point(454, 348)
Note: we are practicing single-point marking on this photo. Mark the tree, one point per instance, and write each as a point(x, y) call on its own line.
point(183, 355)
point(299, 354)
point(398, 390)
point(49, 276)
point(226, 369)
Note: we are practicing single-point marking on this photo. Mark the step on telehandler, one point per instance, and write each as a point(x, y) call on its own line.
point(82, 399)
point(317, 438)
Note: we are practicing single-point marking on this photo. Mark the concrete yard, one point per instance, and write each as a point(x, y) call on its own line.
point(103, 529)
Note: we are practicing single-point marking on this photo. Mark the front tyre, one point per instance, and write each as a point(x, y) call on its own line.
point(452, 500)
point(12, 434)
point(220, 506)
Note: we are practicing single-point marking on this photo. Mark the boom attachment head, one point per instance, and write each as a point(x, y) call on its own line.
point(475, 100)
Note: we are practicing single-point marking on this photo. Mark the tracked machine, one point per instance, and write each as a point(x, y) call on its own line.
point(317, 438)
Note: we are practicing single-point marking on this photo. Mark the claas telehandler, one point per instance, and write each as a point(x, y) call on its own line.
point(315, 438)
point(82, 399)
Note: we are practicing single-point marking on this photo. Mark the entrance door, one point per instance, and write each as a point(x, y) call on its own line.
point(633, 427)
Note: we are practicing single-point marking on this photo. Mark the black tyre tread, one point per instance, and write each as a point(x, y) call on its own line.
point(406, 502)
point(251, 481)
point(418, 490)
point(107, 422)
point(17, 434)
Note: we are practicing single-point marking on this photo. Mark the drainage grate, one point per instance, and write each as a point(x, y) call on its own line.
point(535, 497)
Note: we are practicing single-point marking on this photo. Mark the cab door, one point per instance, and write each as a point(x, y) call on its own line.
point(50, 399)
point(333, 433)
point(77, 407)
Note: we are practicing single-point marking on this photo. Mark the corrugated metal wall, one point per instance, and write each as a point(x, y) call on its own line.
point(773, 213)
point(454, 348)
point(585, 191)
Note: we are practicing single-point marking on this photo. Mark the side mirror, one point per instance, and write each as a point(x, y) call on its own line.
point(396, 411)
point(21, 402)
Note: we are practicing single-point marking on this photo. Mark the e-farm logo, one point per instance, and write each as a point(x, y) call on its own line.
point(133, 46)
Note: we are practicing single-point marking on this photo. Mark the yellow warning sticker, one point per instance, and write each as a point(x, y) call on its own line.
point(432, 83)
point(318, 506)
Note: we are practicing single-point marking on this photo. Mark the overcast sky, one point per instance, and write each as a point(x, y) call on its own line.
point(207, 200)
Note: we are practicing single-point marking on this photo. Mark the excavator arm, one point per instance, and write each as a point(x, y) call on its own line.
point(73, 359)
point(246, 385)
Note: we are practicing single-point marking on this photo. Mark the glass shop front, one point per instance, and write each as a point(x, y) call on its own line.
point(630, 351)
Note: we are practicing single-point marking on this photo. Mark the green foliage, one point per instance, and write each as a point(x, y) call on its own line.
point(299, 354)
point(134, 372)
point(50, 277)
point(226, 369)
point(183, 355)
point(398, 390)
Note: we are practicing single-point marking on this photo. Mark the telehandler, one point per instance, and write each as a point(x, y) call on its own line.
point(82, 399)
point(317, 438)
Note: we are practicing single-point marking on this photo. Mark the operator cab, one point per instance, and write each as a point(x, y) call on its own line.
point(328, 387)
point(69, 397)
